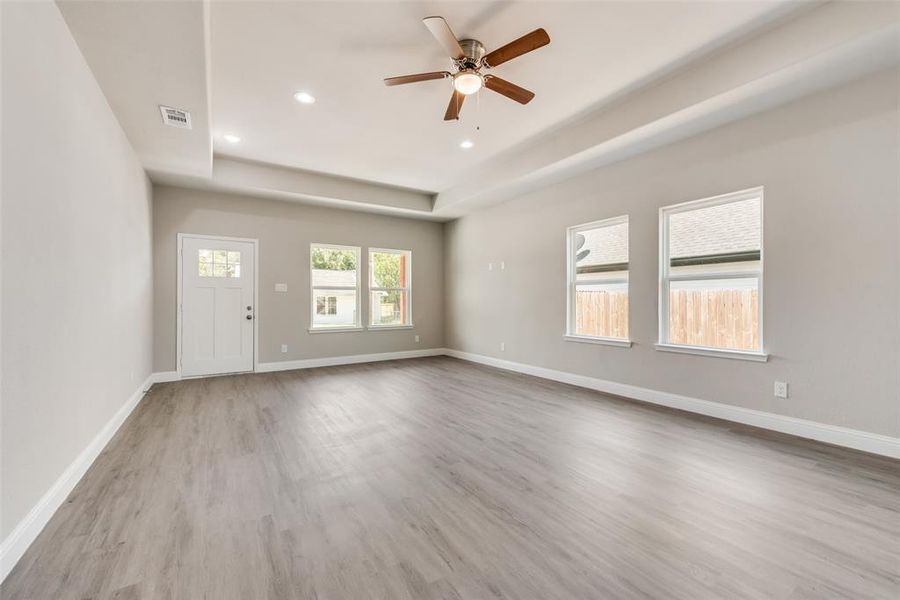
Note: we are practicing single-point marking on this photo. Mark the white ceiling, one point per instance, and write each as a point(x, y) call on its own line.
point(618, 78)
point(261, 53)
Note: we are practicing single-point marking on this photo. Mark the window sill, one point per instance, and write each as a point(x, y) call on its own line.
point(584, 339)
point(714, 352)
point(389, 327)
point(334, 329)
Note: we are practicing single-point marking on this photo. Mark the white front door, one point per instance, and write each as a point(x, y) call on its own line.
point(217, 310)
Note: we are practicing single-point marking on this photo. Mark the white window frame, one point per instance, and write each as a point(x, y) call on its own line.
point(665, 277)
point(572, 282)
point(312, 290)
point(408, 289)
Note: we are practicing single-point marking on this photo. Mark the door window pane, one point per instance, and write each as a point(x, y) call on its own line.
point(218, 263)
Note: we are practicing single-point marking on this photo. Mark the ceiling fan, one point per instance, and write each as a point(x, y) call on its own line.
point(469, 59)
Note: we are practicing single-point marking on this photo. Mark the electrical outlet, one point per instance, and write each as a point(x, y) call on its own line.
point(417, 339)
point(490, 266)
point(284, 347)
point(502, 346)
point(781, 389)
point(502, 265)
point(280, 287)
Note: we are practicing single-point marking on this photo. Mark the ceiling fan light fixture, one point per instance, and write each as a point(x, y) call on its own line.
point(467, 82)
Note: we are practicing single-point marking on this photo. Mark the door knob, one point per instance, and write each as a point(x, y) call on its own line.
point(248, 308)
point(249, 317)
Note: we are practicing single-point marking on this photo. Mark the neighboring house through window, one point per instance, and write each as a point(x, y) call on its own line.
point(326, 305)
point(334, 275)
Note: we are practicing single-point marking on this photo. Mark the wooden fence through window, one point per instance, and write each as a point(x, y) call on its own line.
point(602, 314)
point(712, 318)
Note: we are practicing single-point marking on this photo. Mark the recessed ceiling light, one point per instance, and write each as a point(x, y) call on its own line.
point(466, 144)
point(304, 98)
point(232, 138)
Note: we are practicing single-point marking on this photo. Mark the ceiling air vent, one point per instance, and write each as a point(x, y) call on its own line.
point(175, 117)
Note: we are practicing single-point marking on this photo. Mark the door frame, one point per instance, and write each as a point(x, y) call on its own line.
point(179, 305)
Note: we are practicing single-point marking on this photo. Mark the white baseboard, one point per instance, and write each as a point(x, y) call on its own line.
point(331, 361)
point(310, 363)
point(831, 434)
point(17, 542)
point(165, 377)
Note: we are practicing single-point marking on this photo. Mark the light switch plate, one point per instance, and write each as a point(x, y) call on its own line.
point(280, 287)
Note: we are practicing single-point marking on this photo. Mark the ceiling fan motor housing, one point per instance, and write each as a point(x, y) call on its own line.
point(474, 51)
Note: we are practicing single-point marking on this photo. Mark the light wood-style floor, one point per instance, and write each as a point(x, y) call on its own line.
point(437, 478)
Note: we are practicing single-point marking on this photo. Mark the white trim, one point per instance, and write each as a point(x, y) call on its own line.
point(179, 259)
point(604, 341)
point(17, 542)
point(665, 278)
point(715, 352)
point(389, 327)
point(726, 198)
point(165, 376)
point(334, 329)
point(330, 361)
point(830, 434)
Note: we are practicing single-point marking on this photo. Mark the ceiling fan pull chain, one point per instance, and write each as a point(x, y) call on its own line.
point(478, 111)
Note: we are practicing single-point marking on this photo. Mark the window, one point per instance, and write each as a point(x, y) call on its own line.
point(334, 274)
point(219, 263)
point(389, 288)
point(711, 274)
point(326, 305)
point(598, 281)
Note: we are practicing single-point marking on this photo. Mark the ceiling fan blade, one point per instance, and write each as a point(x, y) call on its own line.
point(456, 102)
point(445, 36)
point(523, 45)
point(510, 90)
point(415, 78)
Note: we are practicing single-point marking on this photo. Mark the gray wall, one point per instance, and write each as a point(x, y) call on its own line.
point(829, 164)
point(284, 231)
point(76, 260)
